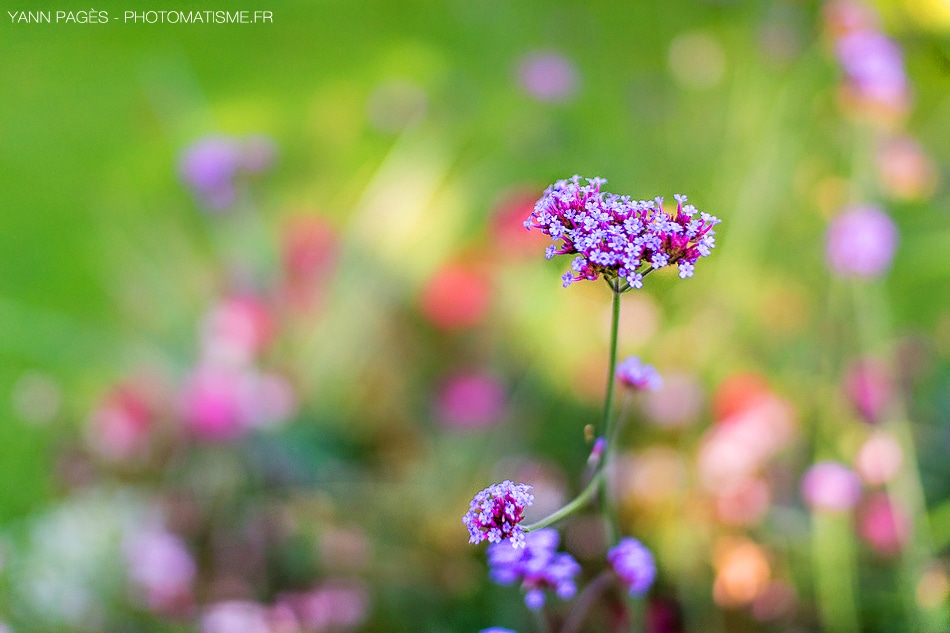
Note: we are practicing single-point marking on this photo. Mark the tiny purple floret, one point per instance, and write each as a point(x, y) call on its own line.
point(633, 562)
point(496, 513)
point(637, 375)
point(537, 565)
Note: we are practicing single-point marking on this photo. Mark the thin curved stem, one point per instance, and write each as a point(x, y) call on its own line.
point(577, 503)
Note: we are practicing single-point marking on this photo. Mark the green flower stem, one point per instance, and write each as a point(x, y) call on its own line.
point(569, 509)
point(612, 365)
point(833, 558)
point(636, 612)
point(608, 508)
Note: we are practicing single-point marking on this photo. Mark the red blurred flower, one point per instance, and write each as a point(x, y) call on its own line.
point(457, 297)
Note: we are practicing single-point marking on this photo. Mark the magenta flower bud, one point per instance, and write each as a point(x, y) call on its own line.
point(831, 487)
point(634, 564)
point(861, 243)
point(496, 513)
point(597, 452)
point(637, 375)
point(869, 388)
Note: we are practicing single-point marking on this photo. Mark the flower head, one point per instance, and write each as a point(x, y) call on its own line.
point(633, 562)
point(537, 565)
point(861, 243)
point(634, 373)
point(496, 512)
point(617, 237)
point(831, 487)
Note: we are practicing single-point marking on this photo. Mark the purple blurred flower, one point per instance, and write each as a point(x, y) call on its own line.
point(496, 629)
point(160, 564)
point(617, 237)
point(496, 512)
point(874, 66)
point(235, 616)
point(634, 373)
point(547, 76)
point(470, 401)
point(831, 486)
point(861, 242)
point(537, 565)
point(211, 166)
point(634, 563)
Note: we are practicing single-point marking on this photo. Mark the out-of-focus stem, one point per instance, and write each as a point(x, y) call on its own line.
point(833, 562)
point(584, 601)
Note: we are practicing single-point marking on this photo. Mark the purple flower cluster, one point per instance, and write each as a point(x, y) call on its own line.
point(633, 562)
point(617, 237)
point(537, 565)
point(496, 513)
point(637, 375)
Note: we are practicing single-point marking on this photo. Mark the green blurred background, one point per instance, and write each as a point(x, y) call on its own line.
point(108, 261)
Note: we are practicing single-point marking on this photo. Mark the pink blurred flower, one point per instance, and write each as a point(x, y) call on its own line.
point(337, 605)
point(861, 243)
point(211, 404)
point(831, 486)
point(119, 428)
point(869, 388)
point(742, 443)
point(309, 249)
point(470, 401)
point(547, 76)
point(161, 567)
point(456, 297)
point(883, 525)
point(509, 236)
point(738, 393)
point(236, 330)
point(879, 459)
point(235, 616)
point(676, 402)
point(221, 404)
point(906, 171)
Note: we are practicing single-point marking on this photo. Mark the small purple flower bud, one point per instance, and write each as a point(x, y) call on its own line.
point(637, 375)
point(597, 452)
point(633, 562)
point(496, 513)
